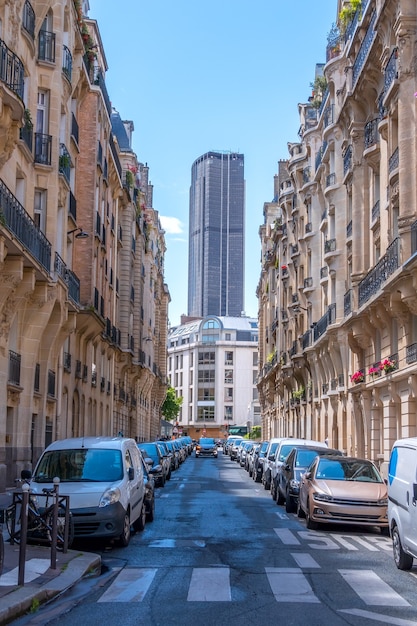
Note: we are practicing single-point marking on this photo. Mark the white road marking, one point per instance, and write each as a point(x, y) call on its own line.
point(385, 619)
point(130, 585)
point(287, 536)
point(281, 515)
point(290, 585)
point(371, 588)
point(303, 559)
point(210, 585)
point(33, 569)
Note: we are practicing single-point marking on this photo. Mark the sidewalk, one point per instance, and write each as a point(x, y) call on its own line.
point(41, 582)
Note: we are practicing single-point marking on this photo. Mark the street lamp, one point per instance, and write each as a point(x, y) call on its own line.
point(297, 308)
point(81, 234)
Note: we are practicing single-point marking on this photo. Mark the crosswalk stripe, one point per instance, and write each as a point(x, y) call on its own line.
point(130, 585)
point(303, 559)
point(210, 584)
point(371, 588)
point(287, 536)
point(290, 585)
point(33, 569)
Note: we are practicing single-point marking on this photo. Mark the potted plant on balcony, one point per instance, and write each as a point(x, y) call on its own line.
point(348, 12)
point(298, 394)
point(374, 371)
point(388, 365)
point(357, 377)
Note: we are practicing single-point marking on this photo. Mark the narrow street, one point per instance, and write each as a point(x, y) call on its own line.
point(221, 551)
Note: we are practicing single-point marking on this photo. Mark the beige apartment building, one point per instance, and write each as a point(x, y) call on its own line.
point(83, 303)
point(337, 291)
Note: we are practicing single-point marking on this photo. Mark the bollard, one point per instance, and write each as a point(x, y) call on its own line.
point(23, 533)
point(54, 523)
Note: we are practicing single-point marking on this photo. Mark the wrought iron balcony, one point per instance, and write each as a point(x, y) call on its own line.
point(26, 133)
point(28, 19)
point(379, 274)
point(46, 46)
point(328, 318)
point(349, 229)
point(329, 245)
point(51, 383)
point(43, 149)
point(330, 179)
point(11, 70)
point(67, 62)
point(347, 160)
point(375, 211)
point(14, 368)
point(19, 222)
point(364, 49)
point(308, 282)
point(371, 133)
point(347, 303)
point(74, 128)
point(328, 115)
point(391, 70)
point(411, 353)
point(394, 161)
point(306, 175)
point(64, 162)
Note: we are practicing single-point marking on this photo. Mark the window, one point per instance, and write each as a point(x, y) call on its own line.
point(39, 209)
point(205, 414)
point(228, 358)
point(228, 337)
point(206, 376)
point(228, 414)
point(228, 394)
point(228, 377)
point(206, 394)
point(206, 358)
point(255, 359)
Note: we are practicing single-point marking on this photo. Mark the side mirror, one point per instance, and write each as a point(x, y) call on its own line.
point(287, 468)
point(307, 475)
point(149, 462)
point(25, 474)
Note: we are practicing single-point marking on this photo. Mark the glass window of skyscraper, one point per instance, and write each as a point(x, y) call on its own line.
point(216, 235)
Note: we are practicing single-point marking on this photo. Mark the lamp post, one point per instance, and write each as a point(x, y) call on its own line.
point(81, 234)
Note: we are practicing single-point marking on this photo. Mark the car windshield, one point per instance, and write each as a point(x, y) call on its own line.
point(347, 469)
point(285, 450)
point(80, 465)
point(206, 441)
point(305, 457)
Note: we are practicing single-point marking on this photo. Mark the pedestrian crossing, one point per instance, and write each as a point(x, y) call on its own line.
point(286, 584)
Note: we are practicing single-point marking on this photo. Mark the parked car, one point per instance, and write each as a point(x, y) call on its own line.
point(103, 477)
point(282, 450)
point(206, 447)
point(175, 458)
point(154, 457)
point(149, 499)
point(289, 473)
point(402, 501)
point(258, 461)
point(229, 443)
point(250, 457)
point(236, 449)
point(167, 452)
point(343, 490)
point(244, 451)
point(269, 461)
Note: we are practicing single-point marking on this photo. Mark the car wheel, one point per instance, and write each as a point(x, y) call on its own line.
point(300, 511)
point(402, 560)
point(311, 525)
point(125, 536)
point(139, 524)
point(289, 503)
point(280, 497)
point(150, 515)
point(272, 489)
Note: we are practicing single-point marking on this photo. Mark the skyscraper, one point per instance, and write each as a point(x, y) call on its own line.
point(216, 235)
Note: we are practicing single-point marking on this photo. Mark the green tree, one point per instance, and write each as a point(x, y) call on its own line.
point(172, 404)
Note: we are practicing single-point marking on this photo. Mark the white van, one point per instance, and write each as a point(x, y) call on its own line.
point(402, 501)
point(103, 476)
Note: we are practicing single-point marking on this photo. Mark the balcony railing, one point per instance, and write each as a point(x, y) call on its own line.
point(371, 133)
point(28, 19)
point(380, 273)
point(67, 62)
point(19, 222)
point(394, 161)
point(328, 115)
point(330, 179)
point(364, 49)
point(413, 237)
point(100, 82)
point(349, 228)
point(14, 368)
point(411, 353)
point(347, 303)
point(74, 128)
point(11, 70)
point(329, 245)
point(26, 133)
point(64, 162)
point(46, 46)
point(347, 160)
point(328, 318)
point(308, 282)
point(306, 175)
point(43, 149)
point(375, 211)
point(391, 71)
point(72, 206)
point(51, 383)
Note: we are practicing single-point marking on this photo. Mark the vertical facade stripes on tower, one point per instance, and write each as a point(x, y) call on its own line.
point(216, 235)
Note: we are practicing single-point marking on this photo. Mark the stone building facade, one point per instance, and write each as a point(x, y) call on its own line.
point(337, 291)
point(83, 302)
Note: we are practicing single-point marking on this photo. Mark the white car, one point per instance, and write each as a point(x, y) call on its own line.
point(103, 477)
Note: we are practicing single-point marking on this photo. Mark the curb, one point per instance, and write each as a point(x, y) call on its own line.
point(20, 600)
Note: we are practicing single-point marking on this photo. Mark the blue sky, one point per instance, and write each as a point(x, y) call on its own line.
point(219, 75)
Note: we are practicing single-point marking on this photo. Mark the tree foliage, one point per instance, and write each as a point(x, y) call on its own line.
point(172, 404)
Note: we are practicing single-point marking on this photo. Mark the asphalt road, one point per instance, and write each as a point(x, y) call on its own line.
point(220, 551)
